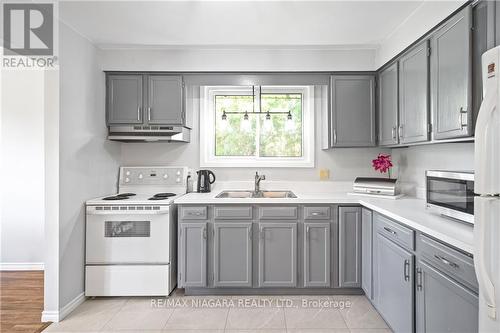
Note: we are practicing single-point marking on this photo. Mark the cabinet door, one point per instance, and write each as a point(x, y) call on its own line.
point(193, 254)
point(165, 100)
point(124, 99)
point(394, 285)
point(316, 254)
point(388, 106)
point(233, 254)
point(353, 110)
point(278, 254)
point(443, 305)
point(450, 77)
point(349, 247)
point(366, 251)
point(414, 95)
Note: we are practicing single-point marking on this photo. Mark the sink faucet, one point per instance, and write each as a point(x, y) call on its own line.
point(257, 181)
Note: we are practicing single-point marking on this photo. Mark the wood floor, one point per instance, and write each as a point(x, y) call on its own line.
point(21, 301)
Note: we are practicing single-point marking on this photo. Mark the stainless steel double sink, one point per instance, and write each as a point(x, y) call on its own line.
point(237, 194)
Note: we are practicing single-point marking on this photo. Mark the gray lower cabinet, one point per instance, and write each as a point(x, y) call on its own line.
point(352, 111)
point(165, 98)
point(451, 88)
point(349, 247)
point(442, 304)
point(193, 254)
point(414, 94)
point(124, 99)
point(232, 246)
point(388, 106)
point(317, 254)
point(277, 254)
point(394, 285)
point(366, 251)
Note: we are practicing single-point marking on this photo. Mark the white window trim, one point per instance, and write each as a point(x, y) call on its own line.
point(207, 130)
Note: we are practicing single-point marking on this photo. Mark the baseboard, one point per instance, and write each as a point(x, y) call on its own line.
point(21, 266)
point(57, 316)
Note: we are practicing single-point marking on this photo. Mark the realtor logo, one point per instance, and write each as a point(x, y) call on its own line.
point(28, 29)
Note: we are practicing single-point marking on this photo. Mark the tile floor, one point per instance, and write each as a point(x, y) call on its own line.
point(225, 314)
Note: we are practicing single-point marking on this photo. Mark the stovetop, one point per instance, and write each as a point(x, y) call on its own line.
point(163, 198)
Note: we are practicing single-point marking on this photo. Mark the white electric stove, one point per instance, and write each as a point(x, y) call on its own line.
point(131, 235)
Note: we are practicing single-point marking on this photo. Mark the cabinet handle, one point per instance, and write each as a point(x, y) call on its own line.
point(400, 131)
point(461, 115)
point(334, 136)
point(446, 261)
point(419, 279)
point(389, 230)
point(138, 113)
point(205, 233)
point(308, 229)
point(407, 270)
point(317, 214)
point(250, 233)
point(394, 133)
point(149, 113)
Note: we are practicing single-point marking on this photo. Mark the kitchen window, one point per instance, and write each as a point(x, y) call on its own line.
point(257, 126)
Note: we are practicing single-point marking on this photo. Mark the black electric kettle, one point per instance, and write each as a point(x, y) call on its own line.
point(204, 180)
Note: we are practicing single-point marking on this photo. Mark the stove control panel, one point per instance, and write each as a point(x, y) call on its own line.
point(153, 175)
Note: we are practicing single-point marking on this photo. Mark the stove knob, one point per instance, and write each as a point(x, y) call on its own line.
point(127, 173)
point(165, 176)
point(178, 179)
point(140, 176)
point(127, 180)
point(178, 173)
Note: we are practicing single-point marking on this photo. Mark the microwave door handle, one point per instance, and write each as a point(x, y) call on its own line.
point(482, 209)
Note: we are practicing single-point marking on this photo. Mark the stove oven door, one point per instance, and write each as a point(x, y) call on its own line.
point(118, 236)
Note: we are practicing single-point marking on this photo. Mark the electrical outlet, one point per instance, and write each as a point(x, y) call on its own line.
point(324, 174)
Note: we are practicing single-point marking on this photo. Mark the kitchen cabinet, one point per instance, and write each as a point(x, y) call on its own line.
point(394, 284)
point(193, 254)
point(388, 106)
point(124, 99)
point(414, 94)
point(317, 254)
point(277, 254)
point(146, 99)
point(232, 254)
point(366, 251)
point(442, 304)
point(451, 89)
point(352, 110)
point(349, 247)
point(165, 100)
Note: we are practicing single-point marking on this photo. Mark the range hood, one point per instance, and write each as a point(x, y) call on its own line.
point(149, 133)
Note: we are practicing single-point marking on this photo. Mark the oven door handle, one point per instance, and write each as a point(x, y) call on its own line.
point(93, 211)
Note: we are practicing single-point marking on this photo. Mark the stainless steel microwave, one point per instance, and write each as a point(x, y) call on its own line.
point(451, 193)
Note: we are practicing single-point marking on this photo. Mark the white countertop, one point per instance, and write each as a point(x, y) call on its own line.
point(407, 210)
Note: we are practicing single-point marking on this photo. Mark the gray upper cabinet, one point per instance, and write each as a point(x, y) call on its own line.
point(165, 100)
point(352, 111)
point(451, 88)
point(317, 254)
point(124, 99)
point(414, 95)
point(233, 254)
point(443, 305)
point(193, 254)
point(277, 254)
point(394, 284)
point(388, 106)
point(349, 247)
point(366, 251)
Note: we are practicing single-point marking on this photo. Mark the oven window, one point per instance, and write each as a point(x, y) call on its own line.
point(451, 193)
point(127, 229)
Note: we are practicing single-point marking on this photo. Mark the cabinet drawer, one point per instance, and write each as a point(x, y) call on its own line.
point(233, 213)
point(317, 213)
point(396, 232)
point(277, 213)
point(193, 213)
point(454, 263)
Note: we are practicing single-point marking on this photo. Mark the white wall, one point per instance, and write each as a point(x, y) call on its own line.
point(411, 163)
point(88, 163)
point(246, 59)
point(22, 169)
point(424, 18)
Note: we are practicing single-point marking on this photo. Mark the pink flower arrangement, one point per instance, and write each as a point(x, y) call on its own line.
point(382, 163)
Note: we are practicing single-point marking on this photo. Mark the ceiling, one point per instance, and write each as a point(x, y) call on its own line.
point(226, 24)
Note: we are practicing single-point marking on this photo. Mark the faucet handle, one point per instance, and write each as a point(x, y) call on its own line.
point(263, 177)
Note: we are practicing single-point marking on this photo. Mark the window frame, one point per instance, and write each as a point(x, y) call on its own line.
point(207, 129)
